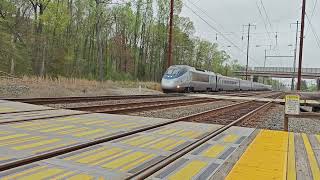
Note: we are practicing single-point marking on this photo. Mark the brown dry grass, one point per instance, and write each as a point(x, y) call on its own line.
point(61, 86)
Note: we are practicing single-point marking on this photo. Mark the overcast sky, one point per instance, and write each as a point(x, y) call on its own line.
point(229, 16)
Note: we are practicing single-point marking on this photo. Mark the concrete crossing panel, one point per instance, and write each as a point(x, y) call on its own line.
point(203, 162)
point(12, 107)
point(26, 139)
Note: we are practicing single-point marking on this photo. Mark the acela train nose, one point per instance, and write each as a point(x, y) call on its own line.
point(168, 84)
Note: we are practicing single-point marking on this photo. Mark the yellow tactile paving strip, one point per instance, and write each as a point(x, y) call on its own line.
point(265, 158)
point(272, 155)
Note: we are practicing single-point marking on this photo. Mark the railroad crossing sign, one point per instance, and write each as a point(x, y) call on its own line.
point(292, 105)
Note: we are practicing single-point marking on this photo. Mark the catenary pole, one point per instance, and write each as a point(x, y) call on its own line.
point(303, 14)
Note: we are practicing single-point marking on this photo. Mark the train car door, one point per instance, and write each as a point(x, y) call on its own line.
point(212, 82)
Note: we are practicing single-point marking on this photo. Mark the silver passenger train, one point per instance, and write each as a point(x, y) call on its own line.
point(183, 78)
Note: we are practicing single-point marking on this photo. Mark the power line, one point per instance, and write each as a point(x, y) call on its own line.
point(216, 30)
point(215, 21)
point(265, 24)
point(313, 31)
point(314, 8)
point(265, 11)
point(270, 24)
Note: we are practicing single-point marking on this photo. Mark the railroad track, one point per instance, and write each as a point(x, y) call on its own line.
point(253, 94)
point(78, 99)
point(157, 165)
point(125, 108)
point(147, 172)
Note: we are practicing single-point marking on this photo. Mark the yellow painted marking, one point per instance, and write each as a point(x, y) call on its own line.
point(4, 132)
point(177, 132)
point(40, 143)
point(189, 171)
point(79, 121)
point(94, 122)
point(64, 175)
point(71, 131)
point(230, 138)
point(87, 133)
point(100, 135)
point(98, 156)
point(6, 109)
point(50, 148)
point(140, 141)
point(131, 139)
point(110, 157)
point(291, 174)
point(265, 158)
point(75, 157)
point(123, 125)
point(214, 151)
point(152, 142)
point(26, 124)
point(124, 160)
point(168, 148)
point(41, 127)
point(162, 144)
point(23, 173)
point(318, 137)
point(57, 128)
point(189, 134)
point(12, 136)
point(44, 174)
point(81, 176)
point(135, 163)
point(3, 158)
point(19, 140)
point(312, 159)
point(168, 131)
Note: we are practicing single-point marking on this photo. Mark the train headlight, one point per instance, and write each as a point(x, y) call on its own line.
point(178, 87)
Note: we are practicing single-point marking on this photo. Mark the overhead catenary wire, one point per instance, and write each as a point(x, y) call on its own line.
point(313, 31)
point(265, 24)
point(270, 24)
point(219, 32)
point(314, 9)
point(215, 21)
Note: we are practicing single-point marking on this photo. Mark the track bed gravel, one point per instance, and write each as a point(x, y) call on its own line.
point(179, 112)
point(112, 102)
point(273, 119)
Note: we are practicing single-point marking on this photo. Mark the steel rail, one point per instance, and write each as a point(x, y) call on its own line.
point(72, 148)
point(142, 106)
point(76, 99)
point(68, 149)
point(145, 173)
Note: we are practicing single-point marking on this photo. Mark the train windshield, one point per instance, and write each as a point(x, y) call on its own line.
point(174, 72)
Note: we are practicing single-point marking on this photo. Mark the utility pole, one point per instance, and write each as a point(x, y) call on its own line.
point(170, 34)
point(265, 58)
point(265, 61)
point(248, 47)
point(295, 57)
point(303, 14)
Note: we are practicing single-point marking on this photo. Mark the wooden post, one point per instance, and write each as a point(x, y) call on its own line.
point(286, 122)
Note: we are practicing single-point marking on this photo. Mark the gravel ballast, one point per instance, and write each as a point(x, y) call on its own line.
point(179, 112)
point(274, 119)
point(113, 102)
